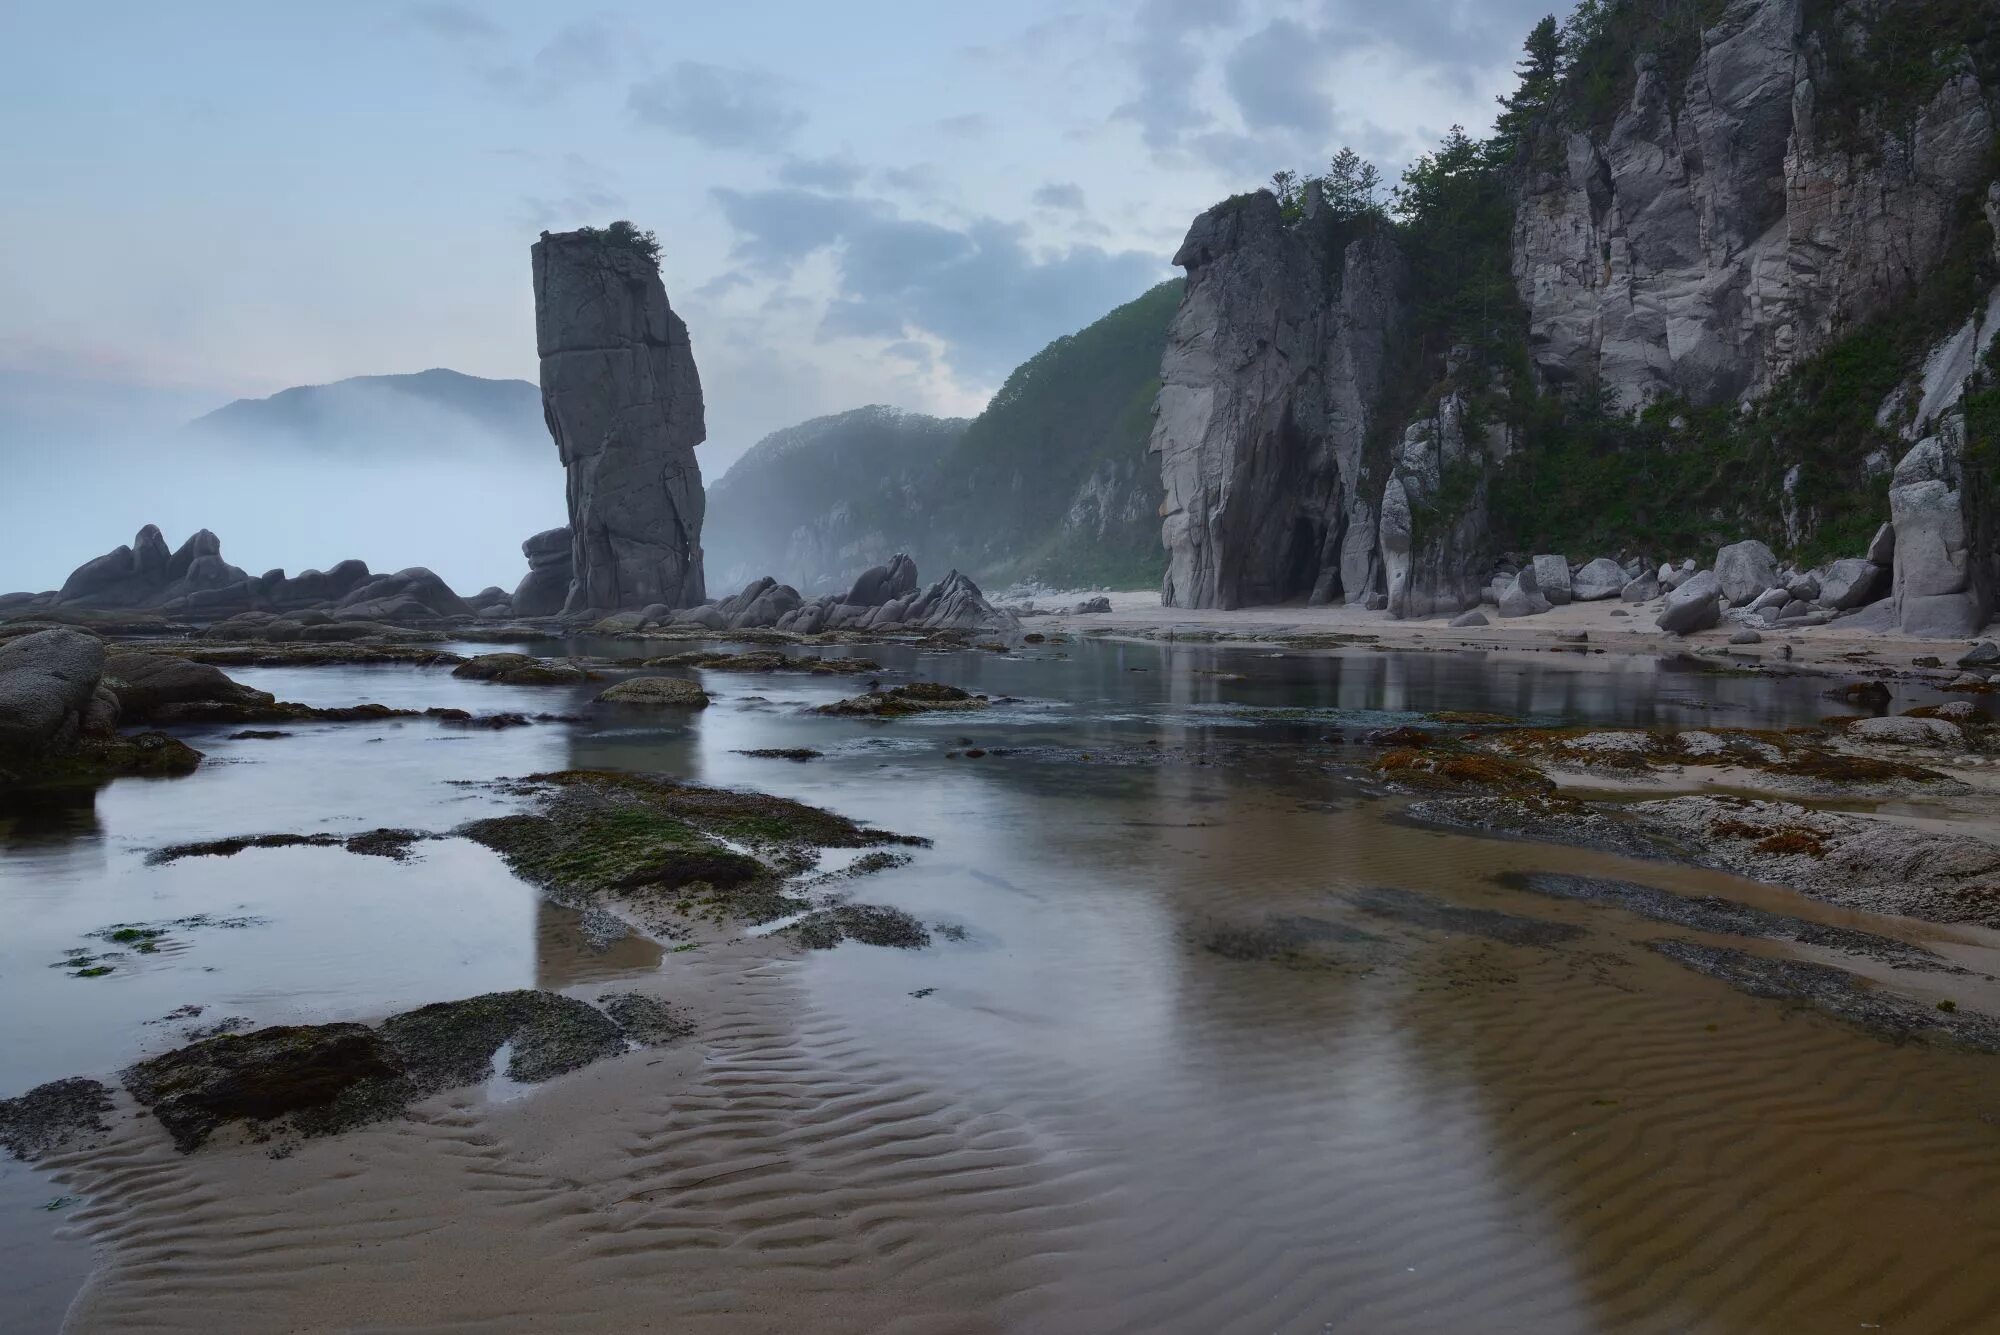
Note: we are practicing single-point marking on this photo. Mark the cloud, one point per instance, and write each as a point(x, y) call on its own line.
point(454, 22)
point(977, 288)
point(836, 174)
point(719, 107)
point(1167, 62)
point(1060, 195)
point(972, 125)
point(570, 190)
point(579, 54)
point(1273, 77)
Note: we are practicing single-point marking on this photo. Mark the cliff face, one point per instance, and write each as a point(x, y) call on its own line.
point(1273, 364)
point(1716, 235)
point(1751, 198)
point(623, 401)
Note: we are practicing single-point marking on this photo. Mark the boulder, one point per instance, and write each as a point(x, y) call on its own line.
point(1773, 599)
point(1641, 590)
point(1091, 606)
point(1905, 731)
point(1600, 579)
point(411, 594)
point(662, 691)
point(1942, 583)
point(1744, 570)
point(1695, 605)
point(623, 401)
point(1982, 655)
point(707, 616)
point(1469, 619)
point(1523, 597)
point(1552, 579)
point(1805, 588)
point(143, 683)
point(1746, 636)
point(1882, 547)
point(1849, 583)
point(545, 588)
point(47, 682)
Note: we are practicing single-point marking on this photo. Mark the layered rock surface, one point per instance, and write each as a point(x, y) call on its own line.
point(623, 402)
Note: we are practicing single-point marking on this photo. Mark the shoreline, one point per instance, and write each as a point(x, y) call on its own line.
point(1140, 615)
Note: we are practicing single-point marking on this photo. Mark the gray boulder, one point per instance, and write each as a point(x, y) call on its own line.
point(145, 683)
point(545, 588)
point(1641, 590)
point(1090, 606)
point(1600, 579)
point(47, 682)
point(414, 593)
point(1805, 588)
point(1773, 599)
point(1746, 636)
point(1523, 597)
point(1552, 579)
point(1981, 655)
point(1744, 570)
point(1882, 548)
point(1903, 731)
point(1849, 583)
point(1695, 605)
point(623, 400)
point(1943, 587)
point(1468, 619)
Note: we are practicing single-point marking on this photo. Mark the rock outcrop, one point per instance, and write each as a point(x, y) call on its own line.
point(1274, 364)
point(1713, 236)
point(1944, 576)
point(623, 401)
point(545, 588)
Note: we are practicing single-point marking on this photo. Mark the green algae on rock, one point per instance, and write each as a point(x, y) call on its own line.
point(672, 692)
point(918, 697)
point(322, 1078)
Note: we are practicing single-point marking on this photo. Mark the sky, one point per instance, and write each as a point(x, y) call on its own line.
point(871, 202)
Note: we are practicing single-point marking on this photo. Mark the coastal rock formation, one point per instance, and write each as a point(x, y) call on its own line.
point(545, 588)
point(1716, 233)
point(623, 401)
point(47, 681)
point(1273, 365)
point(1944, 579)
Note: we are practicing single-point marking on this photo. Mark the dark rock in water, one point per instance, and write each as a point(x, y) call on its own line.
point(143, 683)
point(918, 697)
point(521, 670)
point(52, 1117)
point(870, 924)
point(47, 681)
point(545, 588)
point(661, 691)
point(453, 1042)
point(331, 1073)
point(645, 1020)
point(317, 1079)
point(623, 400)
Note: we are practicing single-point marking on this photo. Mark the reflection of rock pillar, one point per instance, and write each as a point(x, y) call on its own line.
point(622, 398)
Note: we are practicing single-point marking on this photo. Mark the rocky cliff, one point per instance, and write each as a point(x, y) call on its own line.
point(1741, 269)
point(1273, 368)
point(623, 401)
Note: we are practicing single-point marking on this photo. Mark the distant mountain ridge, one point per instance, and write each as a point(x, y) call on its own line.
point(1051, 482)
point(441, 408)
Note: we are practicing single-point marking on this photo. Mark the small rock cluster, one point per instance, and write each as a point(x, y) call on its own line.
point(882, 598)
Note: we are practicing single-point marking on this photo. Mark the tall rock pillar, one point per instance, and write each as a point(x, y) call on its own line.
point(623, 401)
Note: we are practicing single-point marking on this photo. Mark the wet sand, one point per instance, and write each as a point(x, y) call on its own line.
point(1093, 1121)
point(1831, 646)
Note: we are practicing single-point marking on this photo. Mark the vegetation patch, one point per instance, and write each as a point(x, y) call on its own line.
point(54, 1116)
point(918, 697)
point(1458, 771)
point(1291, 941)
point(870, 924)
point(646, 1020)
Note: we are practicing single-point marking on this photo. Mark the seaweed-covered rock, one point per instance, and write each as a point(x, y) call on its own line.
point(52, 1117)
point(146, 682)
point(669, 692)
point(918, 697)
point(520, 670)
point(323, 1073)
point(453, 1043)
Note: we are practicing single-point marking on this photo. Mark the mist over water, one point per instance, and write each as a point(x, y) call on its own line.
point(458, 501)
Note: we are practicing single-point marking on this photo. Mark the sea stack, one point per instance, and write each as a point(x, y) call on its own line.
point(623, 401)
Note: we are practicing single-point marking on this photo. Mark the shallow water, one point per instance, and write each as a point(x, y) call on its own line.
point(1088, 1120)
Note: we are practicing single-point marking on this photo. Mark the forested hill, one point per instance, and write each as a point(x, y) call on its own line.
point(1051, 482)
